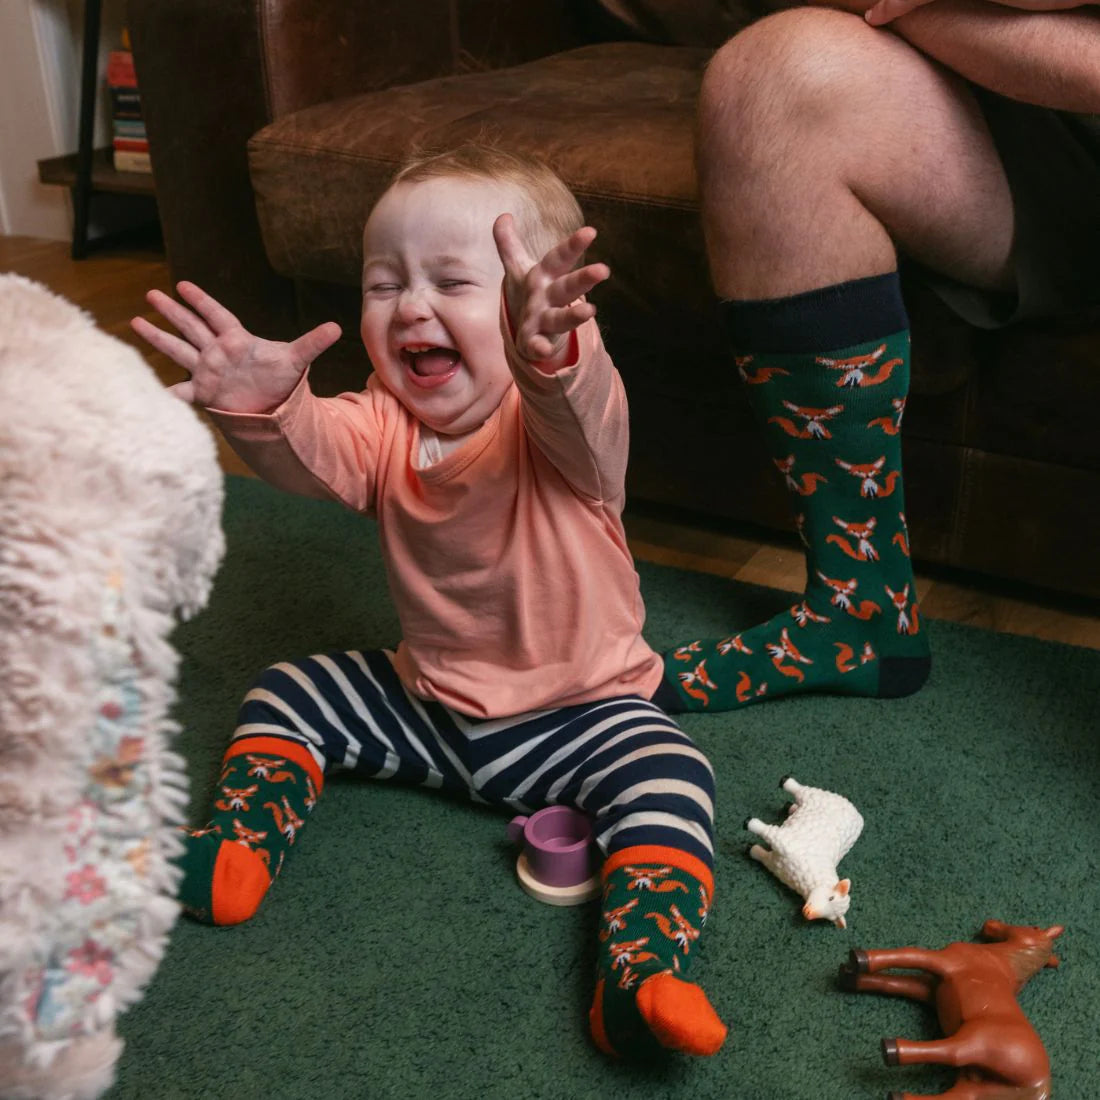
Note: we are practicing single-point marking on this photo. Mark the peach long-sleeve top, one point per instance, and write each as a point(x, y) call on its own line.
point(507, 560)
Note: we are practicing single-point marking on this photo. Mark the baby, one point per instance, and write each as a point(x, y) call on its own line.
point(490, 444)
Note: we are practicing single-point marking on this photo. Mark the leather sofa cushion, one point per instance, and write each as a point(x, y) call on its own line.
point(614, 120)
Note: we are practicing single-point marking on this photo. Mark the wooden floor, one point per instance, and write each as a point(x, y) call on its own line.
point(111, 286)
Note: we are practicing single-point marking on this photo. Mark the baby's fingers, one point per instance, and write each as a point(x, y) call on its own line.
point(185, 391)
point(538, 349)
point(576, 284)
point(554, 322)
point(513, 253)
point(563, 256)
point(179, 351)
point(216, 315)
point(188, 323)
point(307, 347)
point(885, 11)
point(543, 345)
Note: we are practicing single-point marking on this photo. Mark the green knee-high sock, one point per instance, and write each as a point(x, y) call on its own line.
point(267, 789)
point(655, 902)
point(828, 374)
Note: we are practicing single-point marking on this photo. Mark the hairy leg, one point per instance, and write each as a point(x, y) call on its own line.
point(823, 146)
point(824, 143)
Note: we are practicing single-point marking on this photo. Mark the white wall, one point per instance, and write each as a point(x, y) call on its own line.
point(40, 51)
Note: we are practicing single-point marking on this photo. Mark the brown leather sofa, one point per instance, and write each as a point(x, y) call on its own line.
point(274, 124)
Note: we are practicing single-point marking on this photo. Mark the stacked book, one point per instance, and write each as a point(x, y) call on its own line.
point(130, 145)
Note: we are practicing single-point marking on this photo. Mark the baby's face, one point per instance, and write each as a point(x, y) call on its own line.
point(431, 299)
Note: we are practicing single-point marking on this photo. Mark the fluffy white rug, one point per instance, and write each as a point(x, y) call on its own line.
point(110, 506)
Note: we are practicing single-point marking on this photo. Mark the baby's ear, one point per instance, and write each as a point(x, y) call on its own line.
point(843, 886)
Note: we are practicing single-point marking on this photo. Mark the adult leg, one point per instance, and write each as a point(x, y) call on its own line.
point(821, 144)
point(824, 143)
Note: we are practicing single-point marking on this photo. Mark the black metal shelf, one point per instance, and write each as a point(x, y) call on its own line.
point(90, 171)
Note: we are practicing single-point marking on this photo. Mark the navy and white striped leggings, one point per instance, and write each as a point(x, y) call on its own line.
point(623, 761)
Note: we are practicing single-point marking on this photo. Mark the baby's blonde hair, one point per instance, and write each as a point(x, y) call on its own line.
point(548, 212)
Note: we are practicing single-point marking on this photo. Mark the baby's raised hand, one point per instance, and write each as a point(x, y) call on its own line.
point(545, 299)
point(230, 368)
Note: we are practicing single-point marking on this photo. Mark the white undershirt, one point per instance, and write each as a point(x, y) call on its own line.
point(434, 447)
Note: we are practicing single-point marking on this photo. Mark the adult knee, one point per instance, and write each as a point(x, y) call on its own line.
point(779, 78)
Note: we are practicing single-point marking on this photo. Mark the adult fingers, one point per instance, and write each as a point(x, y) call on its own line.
point(885, 11)
point(216, 315)
point(310, 345)
point(179, 351)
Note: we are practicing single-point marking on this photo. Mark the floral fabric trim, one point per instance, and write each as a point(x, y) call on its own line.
point(104, 871)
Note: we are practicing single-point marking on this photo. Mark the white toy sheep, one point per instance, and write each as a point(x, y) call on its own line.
point(820, 828)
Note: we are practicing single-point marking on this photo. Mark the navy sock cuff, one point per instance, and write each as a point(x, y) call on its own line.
point(667, 697)
point(829, 318)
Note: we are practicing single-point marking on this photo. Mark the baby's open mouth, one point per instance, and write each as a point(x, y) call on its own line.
point(430, 362)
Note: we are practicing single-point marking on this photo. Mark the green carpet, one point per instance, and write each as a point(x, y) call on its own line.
point(980, 800)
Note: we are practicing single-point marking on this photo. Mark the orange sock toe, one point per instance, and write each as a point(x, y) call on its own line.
point(239, 883)
point(679, 1015)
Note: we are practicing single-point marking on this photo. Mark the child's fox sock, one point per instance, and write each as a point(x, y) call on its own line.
point(827, 373)
point(655, 903)
point(267, 788)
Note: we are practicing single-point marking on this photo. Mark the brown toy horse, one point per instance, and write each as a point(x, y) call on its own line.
point(974, 987)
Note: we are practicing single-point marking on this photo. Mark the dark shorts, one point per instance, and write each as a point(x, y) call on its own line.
point(1052, 160)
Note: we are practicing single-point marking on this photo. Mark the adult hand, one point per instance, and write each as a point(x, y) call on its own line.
point(230, 369)
point(545, 299)
point(885, 11)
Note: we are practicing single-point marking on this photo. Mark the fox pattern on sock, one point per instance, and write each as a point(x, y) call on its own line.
point(260, 805)
point(624, 930)
point(279, 818)
point(652, 916)
point(833, 424)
